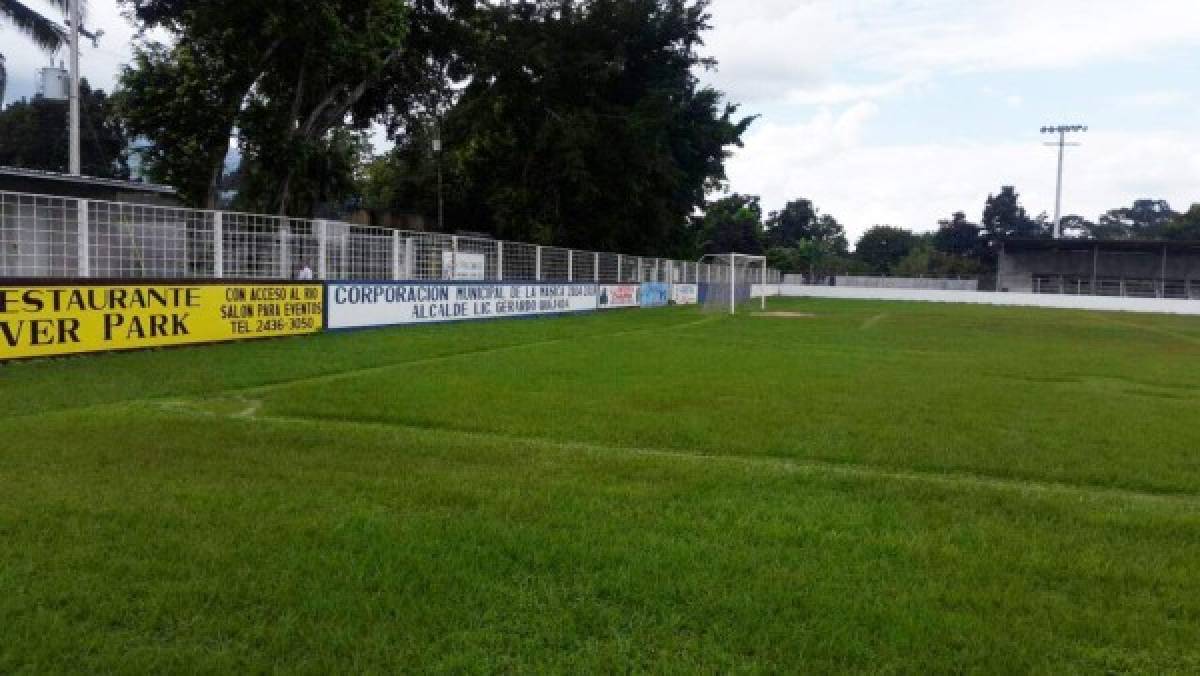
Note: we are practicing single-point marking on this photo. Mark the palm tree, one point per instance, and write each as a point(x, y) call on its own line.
point(46, 33)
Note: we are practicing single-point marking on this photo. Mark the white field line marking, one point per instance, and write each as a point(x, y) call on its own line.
point(351, 373)
point(952, 479)
point(173, 400)
point(870, 323)
point(1104, 317)
point(251, 409)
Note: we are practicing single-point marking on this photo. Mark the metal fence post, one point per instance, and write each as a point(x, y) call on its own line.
point(620, 257)
point(285, 254)
point(537, 264)
point(570, 265)
point(410, 257)
point(454, 243)
point(596, 267)
point(321, 230)
point(500, 261)
point(397, 256)
point(83, 260)
point(218, 244)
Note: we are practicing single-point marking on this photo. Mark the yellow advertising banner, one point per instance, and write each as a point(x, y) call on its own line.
point(43, 321)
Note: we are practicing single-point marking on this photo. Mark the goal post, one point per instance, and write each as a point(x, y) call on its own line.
point(729, 279)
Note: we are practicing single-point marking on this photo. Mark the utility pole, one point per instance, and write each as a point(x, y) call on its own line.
point(74, 163)
point(1062, 144)
point(437, 150)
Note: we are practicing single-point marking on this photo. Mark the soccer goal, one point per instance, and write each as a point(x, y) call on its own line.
point(728, 279)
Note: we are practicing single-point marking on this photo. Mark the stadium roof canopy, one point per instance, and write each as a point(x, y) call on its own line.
point(1126, 245)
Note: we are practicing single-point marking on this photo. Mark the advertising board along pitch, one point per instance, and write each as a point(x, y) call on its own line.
point(654, 294)
point(46, 320)
point(618, 296)
point(685, 294)
point(365, 304)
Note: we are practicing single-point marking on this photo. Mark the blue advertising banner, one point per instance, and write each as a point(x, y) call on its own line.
point(654, 294)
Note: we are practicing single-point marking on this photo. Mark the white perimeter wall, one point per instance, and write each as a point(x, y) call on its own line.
point(1154, 305)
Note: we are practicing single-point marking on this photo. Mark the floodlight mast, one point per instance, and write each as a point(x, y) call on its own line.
point(1062, 143)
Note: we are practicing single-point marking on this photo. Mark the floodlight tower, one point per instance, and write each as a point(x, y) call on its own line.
point(1062, 130)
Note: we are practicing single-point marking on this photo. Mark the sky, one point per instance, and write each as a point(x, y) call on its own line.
point(901, 112)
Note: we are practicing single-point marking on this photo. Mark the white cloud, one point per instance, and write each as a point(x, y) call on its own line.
point(776, 49)
point(848, 58)
point(838, 93)
point(915, 185)
point(1155, 99)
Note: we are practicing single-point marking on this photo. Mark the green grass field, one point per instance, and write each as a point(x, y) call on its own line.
point(878, 487)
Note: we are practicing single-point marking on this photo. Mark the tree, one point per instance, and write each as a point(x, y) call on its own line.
point(1185, 226)
point(733, 224)
point(33, 134)
point(883, 246)
point(799, 220)
point(1144, 219)
point(1005, 218)
point(1075, 226)
point(924, 260)
point(796, 221)
point(960, 237)
point(45, 33)
point(582, 124)
point(290, 83)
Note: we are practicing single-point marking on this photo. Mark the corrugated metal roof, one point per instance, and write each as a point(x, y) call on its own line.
point(1144, 245)
point(87, 180)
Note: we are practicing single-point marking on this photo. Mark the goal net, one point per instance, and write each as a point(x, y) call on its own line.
point(726, 280)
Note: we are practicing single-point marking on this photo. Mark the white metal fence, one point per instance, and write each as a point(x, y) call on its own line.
point(47, 236)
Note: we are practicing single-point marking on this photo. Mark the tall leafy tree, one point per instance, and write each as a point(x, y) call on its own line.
point(883, 246)
point(1005, 218)
point(33, 134)
point(959, 237)
point(733, 224)
point(799, 221)
point(1185, 226)
point(581, 122)
point(289, 83)
point(1144, 219)
point(47, 34)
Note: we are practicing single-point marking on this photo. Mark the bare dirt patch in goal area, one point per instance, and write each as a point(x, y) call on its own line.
point(782, 313)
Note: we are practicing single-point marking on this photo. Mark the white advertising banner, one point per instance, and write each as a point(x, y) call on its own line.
point(460, 266)
point(619, 295)
point(357, 305)
point(685, 294)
